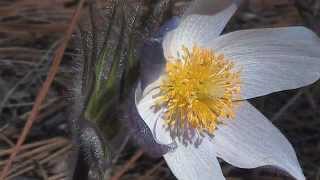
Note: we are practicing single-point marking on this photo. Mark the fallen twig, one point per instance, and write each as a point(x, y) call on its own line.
point(128, 165)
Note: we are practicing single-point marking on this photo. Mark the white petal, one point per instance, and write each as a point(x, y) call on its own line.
point(152, 86)
point(208, 7)
point(251, 140)
point(272, 59)
point(154, 119)
point(196, 29)
point(194, 163)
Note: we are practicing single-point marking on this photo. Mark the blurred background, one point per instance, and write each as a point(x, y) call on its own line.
point(31, 31)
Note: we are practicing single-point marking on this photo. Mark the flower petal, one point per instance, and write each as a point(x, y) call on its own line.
point(208, 7)
point(197, 29)
point(194, 162)
point(251, 140)
point(272, 59)
point(154, 119)
point(168, 26)
point(152, 62)
point(138, 129)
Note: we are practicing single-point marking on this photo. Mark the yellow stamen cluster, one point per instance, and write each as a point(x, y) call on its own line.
point(198, 90)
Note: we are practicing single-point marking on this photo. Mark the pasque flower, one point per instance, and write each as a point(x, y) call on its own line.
point(198, 104)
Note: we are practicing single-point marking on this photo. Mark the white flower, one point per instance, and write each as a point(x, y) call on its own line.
point(199, 102)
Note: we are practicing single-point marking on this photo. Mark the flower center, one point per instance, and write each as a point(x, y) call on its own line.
point(198, 90)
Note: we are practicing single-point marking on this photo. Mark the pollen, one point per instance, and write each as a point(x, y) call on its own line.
point(198, 90)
